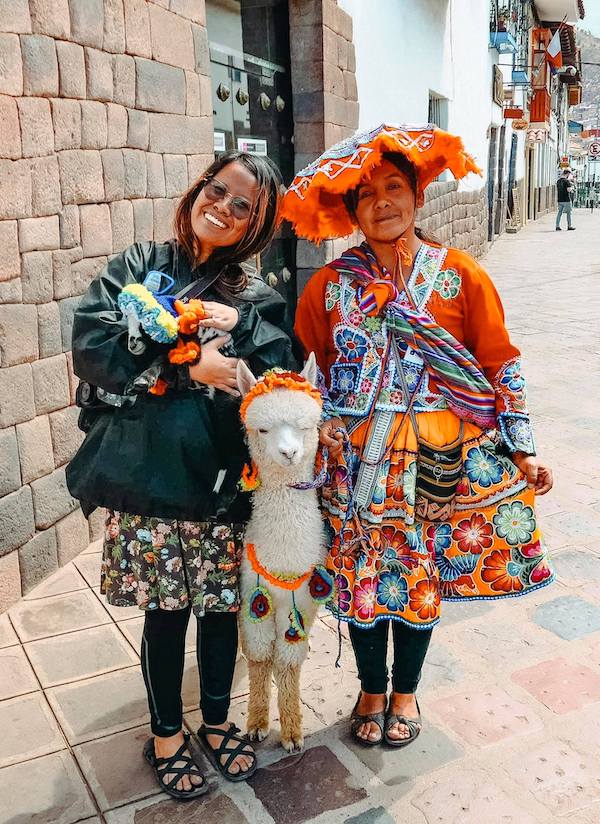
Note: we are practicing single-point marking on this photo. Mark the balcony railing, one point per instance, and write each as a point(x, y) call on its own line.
point(504, 16)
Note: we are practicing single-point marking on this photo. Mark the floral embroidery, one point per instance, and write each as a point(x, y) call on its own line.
point(365, 595)
point(516, 432)
point(392, 591)
point(482, 467)
point(332, 295)
point(351, 343)
point(424, 599)
point(515, 522)
point(409, 483)
point(511, 387)
point(438, 537)
point(356, 317)
point(447, 284)
point(343, 594)
point(540, 572)
point(343, 378)
point(473, 534)
point(372, 324)
point(501, 572)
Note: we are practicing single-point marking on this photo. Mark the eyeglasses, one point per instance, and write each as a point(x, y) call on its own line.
point(215, 191)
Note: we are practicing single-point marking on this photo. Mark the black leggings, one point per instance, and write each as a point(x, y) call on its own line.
point(370, 649)
point(163, 650)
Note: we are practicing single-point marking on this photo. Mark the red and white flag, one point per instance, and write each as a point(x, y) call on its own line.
point(554, 52)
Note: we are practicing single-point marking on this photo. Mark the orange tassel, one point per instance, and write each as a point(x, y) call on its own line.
point(403, 251)
point(184, 352)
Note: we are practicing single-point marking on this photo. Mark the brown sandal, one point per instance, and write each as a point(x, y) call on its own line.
point(358, 720)
point(414, 728)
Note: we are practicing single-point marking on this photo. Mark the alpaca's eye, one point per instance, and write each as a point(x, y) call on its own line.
point(263, 431)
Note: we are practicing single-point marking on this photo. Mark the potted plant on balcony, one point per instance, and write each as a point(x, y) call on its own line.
point(506, 15)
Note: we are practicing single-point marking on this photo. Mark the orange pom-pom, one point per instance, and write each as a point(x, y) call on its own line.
point(190, 314)
point(249, 480)
point(159, 388)
point(184, 352)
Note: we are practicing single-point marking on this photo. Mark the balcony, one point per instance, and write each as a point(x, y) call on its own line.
point(503, 42)
point(553, 11)
point(539, 110)
point(520, 77)
point(503, 26)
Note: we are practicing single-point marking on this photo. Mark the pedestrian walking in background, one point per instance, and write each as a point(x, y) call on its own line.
point(166, 466)
point(565, 190)
point(435, 496)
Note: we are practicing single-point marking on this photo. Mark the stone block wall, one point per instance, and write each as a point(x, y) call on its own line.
point(456, 218)
point(105, 116)
point(325, 98)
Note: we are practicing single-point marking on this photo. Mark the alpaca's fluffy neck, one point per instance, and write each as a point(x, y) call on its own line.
point(274, 476)
point(286, 525)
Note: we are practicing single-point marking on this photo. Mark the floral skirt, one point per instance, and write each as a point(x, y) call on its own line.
point(389, 565)
point(164, 564)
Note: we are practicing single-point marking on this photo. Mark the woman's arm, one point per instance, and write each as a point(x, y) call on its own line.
point(488, 340)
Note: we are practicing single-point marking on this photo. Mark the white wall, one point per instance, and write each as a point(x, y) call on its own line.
point(405, 49)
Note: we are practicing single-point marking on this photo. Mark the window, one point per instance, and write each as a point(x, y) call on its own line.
point(438, 110)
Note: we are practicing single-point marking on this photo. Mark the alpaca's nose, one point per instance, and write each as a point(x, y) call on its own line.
point(289, 452)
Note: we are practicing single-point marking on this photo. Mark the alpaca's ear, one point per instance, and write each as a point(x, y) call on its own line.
point(245, 378)
point(310, 369)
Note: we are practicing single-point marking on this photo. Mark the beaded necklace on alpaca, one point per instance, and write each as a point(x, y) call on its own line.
point(260, 605)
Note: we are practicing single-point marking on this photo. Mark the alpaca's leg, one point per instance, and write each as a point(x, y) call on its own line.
point(259, 699)
point(287, 678)
point(258, 641)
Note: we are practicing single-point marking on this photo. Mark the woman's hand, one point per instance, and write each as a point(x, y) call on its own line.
point(220, 316)
point(214, 369)
point(539, 476)
point(331, 436)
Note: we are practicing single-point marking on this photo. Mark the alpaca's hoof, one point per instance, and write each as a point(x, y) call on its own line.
point(257, 733)
point(293, 744)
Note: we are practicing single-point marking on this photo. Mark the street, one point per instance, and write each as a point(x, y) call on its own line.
point(510, 691)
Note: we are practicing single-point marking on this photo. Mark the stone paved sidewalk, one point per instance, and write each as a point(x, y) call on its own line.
point(510, 692)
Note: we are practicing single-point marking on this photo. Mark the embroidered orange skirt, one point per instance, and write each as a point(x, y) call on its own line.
point(387, 564)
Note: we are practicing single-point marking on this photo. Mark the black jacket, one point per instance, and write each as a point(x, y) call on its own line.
point(564, 189)
point(162, 455)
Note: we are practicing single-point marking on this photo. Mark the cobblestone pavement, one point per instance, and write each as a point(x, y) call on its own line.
point(509, 693)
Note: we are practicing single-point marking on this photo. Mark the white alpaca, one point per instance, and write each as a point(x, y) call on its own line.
point(285, 539)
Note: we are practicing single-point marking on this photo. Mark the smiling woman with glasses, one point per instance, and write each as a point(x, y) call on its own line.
point(166, 467)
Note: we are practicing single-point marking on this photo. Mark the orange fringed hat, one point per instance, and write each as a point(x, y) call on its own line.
point(313, 203)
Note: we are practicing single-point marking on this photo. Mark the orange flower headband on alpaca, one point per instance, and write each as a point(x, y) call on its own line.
point(279, 379)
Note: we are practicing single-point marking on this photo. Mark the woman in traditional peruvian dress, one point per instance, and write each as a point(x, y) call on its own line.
point(435, 499)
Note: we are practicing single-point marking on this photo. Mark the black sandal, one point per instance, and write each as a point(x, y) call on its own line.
point(358, 720)
point(215, 753)
point(179, 764)
point(414, 728)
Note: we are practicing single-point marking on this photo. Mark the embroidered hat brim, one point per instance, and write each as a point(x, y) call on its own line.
point(313, 203)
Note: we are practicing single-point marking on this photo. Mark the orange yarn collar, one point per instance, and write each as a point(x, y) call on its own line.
point(277, 581)
point(279, 379)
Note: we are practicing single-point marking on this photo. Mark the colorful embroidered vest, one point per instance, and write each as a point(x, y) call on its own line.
point(361, 342)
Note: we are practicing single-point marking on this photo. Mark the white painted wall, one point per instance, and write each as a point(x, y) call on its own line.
point(405, 49)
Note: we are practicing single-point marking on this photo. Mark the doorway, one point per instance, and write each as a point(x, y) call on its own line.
point(252, 104)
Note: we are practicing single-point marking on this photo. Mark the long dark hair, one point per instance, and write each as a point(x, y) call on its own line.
point(404, 165)
point(261, 224)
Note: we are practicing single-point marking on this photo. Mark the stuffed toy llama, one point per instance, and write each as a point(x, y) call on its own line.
point(282, 577)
